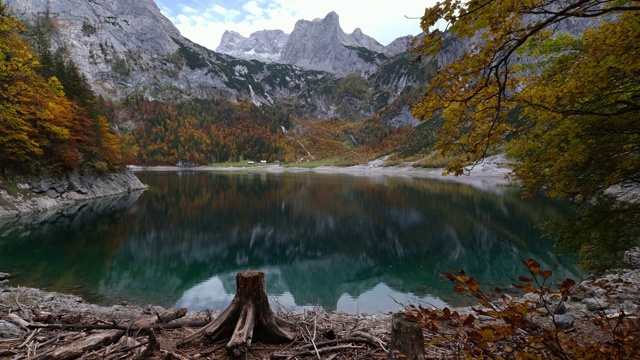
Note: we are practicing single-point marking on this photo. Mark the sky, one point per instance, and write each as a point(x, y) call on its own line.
point(204, 21)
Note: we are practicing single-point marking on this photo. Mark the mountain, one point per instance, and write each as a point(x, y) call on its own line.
point(265, 45)
point(130, 50)
point(320, 44)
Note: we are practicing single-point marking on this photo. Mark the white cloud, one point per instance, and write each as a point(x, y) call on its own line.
point(189, 10)
point(224, 12)
point(253, 8)
point(207, 24)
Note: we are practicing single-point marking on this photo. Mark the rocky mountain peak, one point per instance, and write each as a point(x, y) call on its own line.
point(331, 18)
point(322, 45)
point(265, 45)
point(128, 49)
point(319, 44)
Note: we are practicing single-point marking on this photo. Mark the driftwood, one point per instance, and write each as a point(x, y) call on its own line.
point(133, 328)
point(332, 346)
point(166, 317)
point(17, 320)
point(247, 318)
point(160, 322)
point(105, 338)
point(76, 349)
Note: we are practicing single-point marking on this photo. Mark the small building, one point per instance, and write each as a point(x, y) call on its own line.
point(263, 161)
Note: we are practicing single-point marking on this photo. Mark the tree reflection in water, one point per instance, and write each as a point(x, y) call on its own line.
point(337, 241)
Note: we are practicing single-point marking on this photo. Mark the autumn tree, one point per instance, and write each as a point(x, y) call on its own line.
point(49, 117)
point(31, 117)
point(556, 84)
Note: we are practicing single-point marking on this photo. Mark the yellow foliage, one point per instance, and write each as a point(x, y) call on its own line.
point(566, 107)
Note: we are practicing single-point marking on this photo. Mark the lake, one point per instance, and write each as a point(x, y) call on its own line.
point(351, 243)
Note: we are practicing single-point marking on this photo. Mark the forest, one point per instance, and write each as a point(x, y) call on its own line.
point(53, 122)
point(50, 119)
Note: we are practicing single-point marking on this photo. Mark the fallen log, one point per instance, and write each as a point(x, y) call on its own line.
point(78, 348)
point(114, 333)
point(166, 317)
point(247, 318)
point(17, 320)
point(157, 326)
point(160, 322)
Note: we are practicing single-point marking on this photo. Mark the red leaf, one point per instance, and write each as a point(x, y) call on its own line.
point(525, 279)
point(469, 320)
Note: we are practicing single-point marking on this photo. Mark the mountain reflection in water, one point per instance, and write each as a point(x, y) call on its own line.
point(342, 242)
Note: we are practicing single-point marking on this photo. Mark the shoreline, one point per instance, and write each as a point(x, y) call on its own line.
point(606, 297)
point(28, 196)
point(491, 174)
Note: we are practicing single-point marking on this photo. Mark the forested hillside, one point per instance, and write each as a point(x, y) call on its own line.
point(50, 119)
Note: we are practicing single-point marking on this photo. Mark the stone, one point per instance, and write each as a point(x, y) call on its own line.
point(87, 186)
point(629, 307)
point(564, 321)
point(595, 304)
point(9, 330)
point(4, 276)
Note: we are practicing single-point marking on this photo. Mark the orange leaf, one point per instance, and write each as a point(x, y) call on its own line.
point(534, 266)
point(545, 274)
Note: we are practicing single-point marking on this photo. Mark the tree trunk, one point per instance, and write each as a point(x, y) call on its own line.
point(247, 318)
point(407, 340)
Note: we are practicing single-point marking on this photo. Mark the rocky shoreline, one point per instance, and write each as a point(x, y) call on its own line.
point(610, 296)
point(27, 196)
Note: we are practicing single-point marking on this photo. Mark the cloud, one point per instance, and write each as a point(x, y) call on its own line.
point(227, 14)
point(253, 8)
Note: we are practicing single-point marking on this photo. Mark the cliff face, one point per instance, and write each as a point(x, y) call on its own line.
point(119, 45)
point(127, 48)
point(322, 45)
point(47, 193)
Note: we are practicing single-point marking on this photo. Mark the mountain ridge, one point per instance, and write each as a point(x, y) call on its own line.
point(318, 44)
point(129, 50)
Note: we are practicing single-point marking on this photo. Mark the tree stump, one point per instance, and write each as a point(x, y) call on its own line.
point(247, 318)
point(407, 340)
